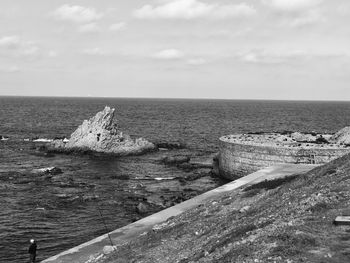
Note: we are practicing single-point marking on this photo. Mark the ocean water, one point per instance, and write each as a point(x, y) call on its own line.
point(65, 210)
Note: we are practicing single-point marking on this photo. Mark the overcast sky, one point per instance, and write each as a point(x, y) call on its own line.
point(249, 49)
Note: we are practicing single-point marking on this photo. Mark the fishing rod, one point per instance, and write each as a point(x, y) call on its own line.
point(104, 223)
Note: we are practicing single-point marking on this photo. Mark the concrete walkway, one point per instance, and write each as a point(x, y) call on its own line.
point(91, 250)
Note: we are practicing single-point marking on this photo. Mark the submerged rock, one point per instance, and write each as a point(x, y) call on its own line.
point(3, 138)
point(49, 170)
point(178, 159)
point(101, 134)
point(143, 208)
point(170, 145)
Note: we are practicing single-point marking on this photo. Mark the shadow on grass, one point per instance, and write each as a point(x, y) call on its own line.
point(270, 184)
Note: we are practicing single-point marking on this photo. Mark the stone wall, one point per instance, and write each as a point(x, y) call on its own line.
point(239, 159)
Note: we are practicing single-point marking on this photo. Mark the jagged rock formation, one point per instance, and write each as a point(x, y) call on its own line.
point(101, 134)
point(342, 136)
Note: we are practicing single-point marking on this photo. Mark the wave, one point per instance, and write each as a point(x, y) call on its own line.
point(166, 178)
point(42, 140)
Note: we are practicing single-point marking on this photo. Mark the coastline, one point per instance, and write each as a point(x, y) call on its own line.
point(92, 251)
point(279, 221)
point(88, 181)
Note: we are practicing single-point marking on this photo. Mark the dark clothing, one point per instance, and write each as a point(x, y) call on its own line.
point(32, 252)
point(32, 249)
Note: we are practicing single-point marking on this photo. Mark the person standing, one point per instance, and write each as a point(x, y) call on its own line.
point(32, 251)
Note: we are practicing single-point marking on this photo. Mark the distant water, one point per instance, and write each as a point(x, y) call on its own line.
point(63, 211)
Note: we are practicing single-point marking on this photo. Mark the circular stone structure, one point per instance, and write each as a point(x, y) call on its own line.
point(242, 154)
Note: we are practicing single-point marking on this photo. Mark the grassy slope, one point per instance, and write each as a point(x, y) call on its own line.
point(292, 222)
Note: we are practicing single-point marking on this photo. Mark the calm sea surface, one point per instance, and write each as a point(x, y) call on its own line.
point(64, 210)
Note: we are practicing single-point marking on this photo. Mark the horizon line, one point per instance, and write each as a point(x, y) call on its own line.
point(172, 98)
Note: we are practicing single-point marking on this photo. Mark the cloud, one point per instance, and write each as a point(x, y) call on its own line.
point(344, 9)
point(292, 5)
point(52, 54)
point(196, 61)
point(175, 54)
point(77, 14)
point(117, 26)
point(250, 57)
point(30, 50)
point(10, 69)
point(271, 57)
point(169, 54)
point(89, 28)
point(94, 51)
point(297, 13)
point(309, 18)
point(287, 56)
point(191, 9)
point(16, 46)
point(10, 41)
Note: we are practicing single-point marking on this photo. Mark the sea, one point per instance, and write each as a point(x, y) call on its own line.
point(95, 194)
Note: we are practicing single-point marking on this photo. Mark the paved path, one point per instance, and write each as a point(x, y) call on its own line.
point(92, 249)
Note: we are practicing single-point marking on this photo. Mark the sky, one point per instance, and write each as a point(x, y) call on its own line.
point(227, 49)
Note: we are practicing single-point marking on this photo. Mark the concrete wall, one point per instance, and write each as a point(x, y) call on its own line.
point(236, 160)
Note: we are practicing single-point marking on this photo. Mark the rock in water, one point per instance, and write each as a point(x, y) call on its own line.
point(49, 170)
point(175, 159)
point(302, 137)
point(101, 134)
point(342, 136)
point(3, 138)
point(142, 208)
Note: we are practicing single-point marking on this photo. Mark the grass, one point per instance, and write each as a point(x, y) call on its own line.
point(289, 219)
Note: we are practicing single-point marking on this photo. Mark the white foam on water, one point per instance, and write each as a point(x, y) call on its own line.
point(167, 178)
point(42, 140)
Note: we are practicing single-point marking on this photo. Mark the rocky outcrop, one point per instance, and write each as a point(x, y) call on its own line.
point(342, 136)
point(303, 137)
point(101, 134)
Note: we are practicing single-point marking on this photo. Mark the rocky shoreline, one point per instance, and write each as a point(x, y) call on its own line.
point(270, 222)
